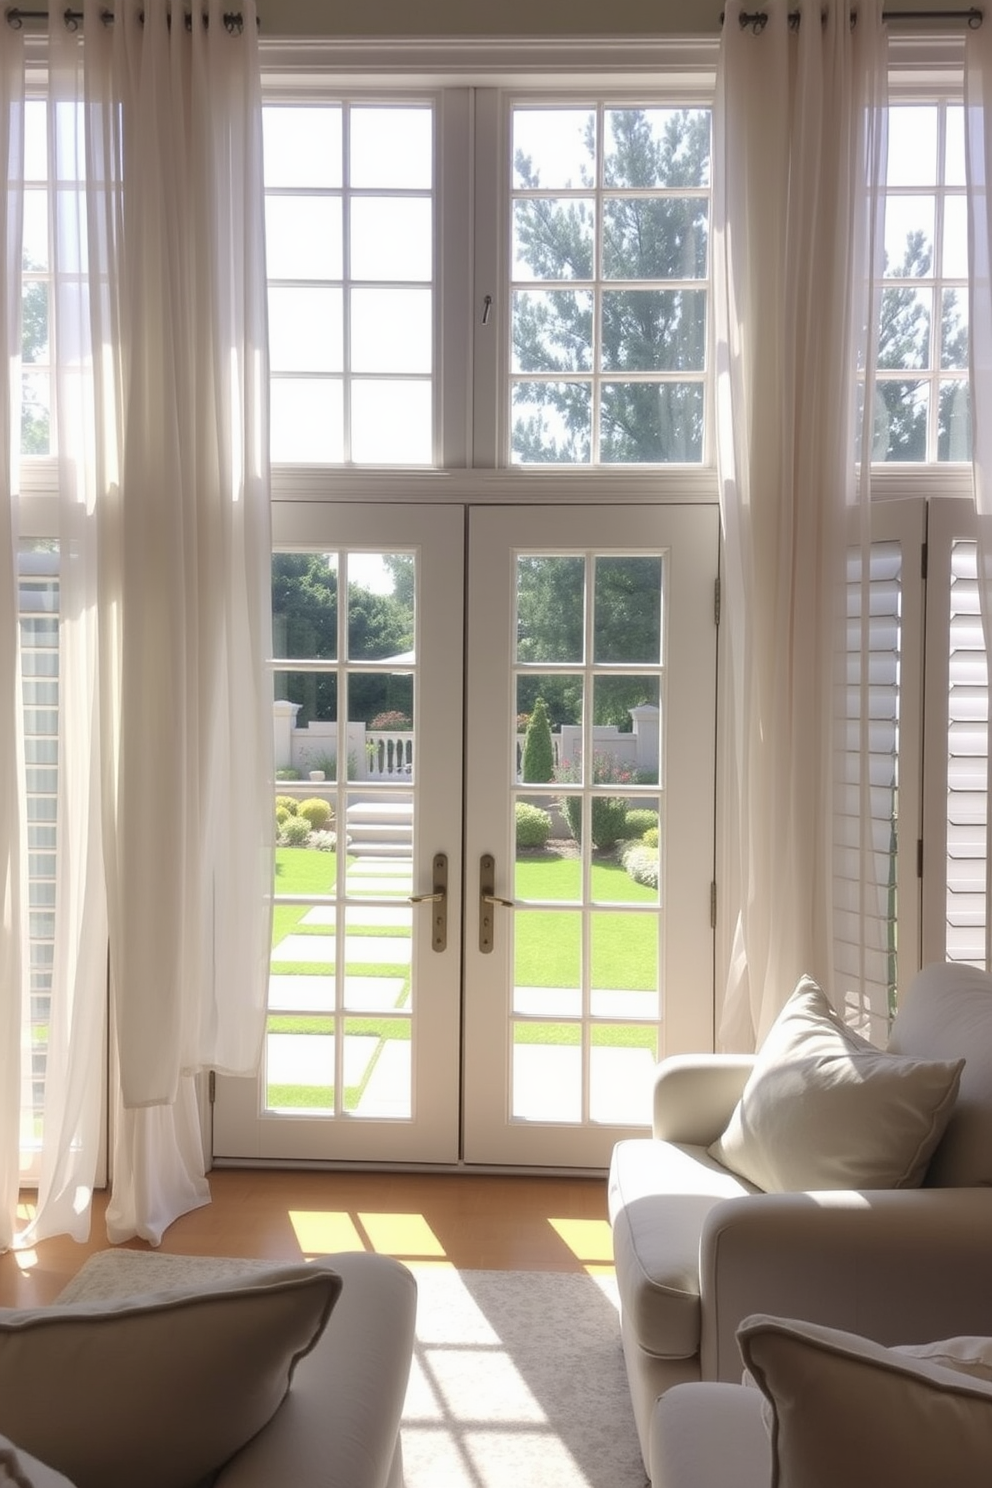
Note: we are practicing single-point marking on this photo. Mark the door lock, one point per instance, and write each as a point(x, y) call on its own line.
point(488, 900)
point(439, 898)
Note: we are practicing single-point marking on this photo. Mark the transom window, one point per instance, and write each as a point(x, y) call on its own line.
point(609, 284)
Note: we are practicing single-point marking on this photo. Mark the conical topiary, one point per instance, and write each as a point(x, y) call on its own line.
point(539, 755)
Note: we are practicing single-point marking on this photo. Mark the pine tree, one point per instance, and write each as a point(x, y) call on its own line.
point(539, 754)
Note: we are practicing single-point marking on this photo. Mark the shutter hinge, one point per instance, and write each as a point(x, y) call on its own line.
point(716, 601)
point(713, 905)
point(924, 559)
point(212, 1086)
point(919, 857)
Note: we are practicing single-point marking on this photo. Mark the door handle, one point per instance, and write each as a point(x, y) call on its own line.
point(488, 900)
point(439, 898)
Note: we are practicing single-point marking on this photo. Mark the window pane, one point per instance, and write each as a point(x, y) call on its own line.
point(307, 420)
point(392, 147)
point(909, 235)
point(657, 147)
point(905, 334)
point(652, 330)
point(912, 145)
point(901, 410)
point(391, 238)
point(553, 148)
point(302, 145)
point(955, 245)
point(954, 329)
point(391, 423)
point(303, 237)
point(552, 330)
point(627, 620)
point(550, 609)
point(652, 423)
point(954, 421)
point(553, 239)
point(391, 330)
point(954, 170)
point(305, 330)
point(552, 422)
point(664, 239)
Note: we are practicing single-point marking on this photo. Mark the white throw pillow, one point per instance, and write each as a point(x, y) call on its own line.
point(846, 1411)
point(21, 1470)
point(158, 1390)
point(825, 1109)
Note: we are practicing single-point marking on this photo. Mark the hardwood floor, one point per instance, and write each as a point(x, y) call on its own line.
point(468, 1221)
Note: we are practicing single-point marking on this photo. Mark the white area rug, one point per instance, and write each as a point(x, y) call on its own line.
point(517, 1379)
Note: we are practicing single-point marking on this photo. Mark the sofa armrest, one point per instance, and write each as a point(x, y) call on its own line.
point(695, 1094)
point(897, 1266)
point(710, 1436)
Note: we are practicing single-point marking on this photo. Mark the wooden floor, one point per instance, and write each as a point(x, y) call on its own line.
point(466, 1221)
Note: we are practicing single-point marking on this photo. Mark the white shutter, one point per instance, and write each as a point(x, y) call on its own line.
point(967, 763)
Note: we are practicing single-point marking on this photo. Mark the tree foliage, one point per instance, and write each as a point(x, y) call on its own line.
point(538, 762)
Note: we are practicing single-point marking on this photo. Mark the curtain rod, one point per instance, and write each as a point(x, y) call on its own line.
point(758, 19)
point(234, 21)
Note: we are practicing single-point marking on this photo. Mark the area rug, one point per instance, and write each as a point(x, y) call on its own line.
point(517, 1378)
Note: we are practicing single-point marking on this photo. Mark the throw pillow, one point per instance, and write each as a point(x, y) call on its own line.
point(823, 1108)
point(160, 1389)
point(848, 1411)
point(21, 1470)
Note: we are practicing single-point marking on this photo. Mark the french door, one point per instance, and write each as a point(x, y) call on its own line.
point(513, 712)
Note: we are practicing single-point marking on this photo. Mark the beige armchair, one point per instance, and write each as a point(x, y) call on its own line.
point(699, 1247)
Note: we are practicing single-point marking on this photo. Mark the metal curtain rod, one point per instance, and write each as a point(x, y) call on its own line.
point(234, 21)
point(758, 19)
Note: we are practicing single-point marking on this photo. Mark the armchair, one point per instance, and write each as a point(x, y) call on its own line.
point(699, 1247)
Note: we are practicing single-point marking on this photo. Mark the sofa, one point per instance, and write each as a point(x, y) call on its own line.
point(819, 1179)
point(827, 1408)
point(295, 1374)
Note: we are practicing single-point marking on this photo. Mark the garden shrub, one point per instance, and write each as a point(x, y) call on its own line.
point(323, 841)
point(640, 819)
point(287, 774)
point(317, 812)
point(641, 862)
point(288, 803)
point(281, 815)
point(295, 832)
point(538, 762)
point(651, 837)
point(609, 813)
point(533, 825)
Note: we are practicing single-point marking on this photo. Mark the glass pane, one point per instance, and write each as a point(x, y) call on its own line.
point(547, 961)
point(651, 330)
point(36, 420)
point(302, 145)
point(552, 331)
point(548, 867)
point(901, 412)
point(912, 145)
point(624, 964)
point(651, 423)
point(36, 140)
point(35, 234)
point(380, 852)
point(552, 423)
point(384, 701)
point(307, 742)
point(554, 148)
point(392, 330)
point(648, 238)
point(535, 745)
point(627, 615)
point(955, 265)
point(377, 1065)
point(299, 1065)
point(547, 1072)
point(391, 238)
point(904, 338)
point(553, 239)
point(301, 994)
point(908, 235)
point(392, 147)
point(307, 420)
point(633, 877)
point(954, 328)
point(954, 170)
point(305, 330)
point(303, 237)
point(657, 147)
point(305, 606)
point(954, 421)
point(381, 627)
point(621, 1069)
point(392, 423)
point(550, 609)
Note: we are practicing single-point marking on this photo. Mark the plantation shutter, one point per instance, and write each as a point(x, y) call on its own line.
point(966, 868)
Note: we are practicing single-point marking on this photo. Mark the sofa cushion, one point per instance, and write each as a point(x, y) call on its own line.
point(659, 1194)
point(946, 1013)
point(846, 1410)
point(825, 1109)
point(20, 1470)
point(162, 1389)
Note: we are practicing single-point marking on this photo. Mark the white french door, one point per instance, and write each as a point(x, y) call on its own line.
point(516, 1019)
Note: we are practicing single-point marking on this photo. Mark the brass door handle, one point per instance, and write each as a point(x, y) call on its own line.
point(439, 897)
point(488, 899)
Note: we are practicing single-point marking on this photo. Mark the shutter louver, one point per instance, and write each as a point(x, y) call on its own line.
point(967, 764)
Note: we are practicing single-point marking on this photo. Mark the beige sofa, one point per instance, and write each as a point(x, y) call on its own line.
point(188, 1387)
point(699, 1247)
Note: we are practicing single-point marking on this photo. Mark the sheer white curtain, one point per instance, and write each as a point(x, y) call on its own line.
point(165, 812)
point(798, 149)
point(12, 855)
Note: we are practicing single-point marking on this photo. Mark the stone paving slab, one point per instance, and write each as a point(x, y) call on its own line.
point(361, 914)
point(394, 950)
point(308, 1058)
